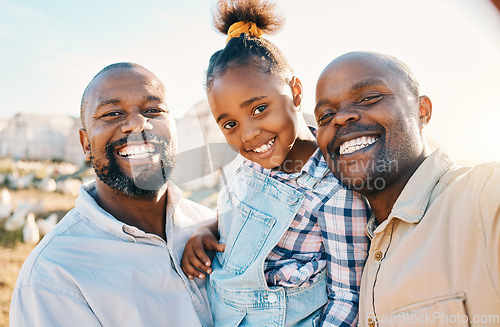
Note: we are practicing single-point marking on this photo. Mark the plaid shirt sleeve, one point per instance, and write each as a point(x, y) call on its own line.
point(342, 219)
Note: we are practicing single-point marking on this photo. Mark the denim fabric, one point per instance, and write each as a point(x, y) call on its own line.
point(254, 213)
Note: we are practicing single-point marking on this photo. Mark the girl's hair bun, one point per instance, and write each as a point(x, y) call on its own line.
point(248, 48)
point(263, 13)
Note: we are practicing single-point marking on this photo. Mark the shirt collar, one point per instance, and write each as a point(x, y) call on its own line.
point(371, 226)
point(173, 197)
point(414, 199)
point(316, 166)
point(88, 207)
point(86, 204)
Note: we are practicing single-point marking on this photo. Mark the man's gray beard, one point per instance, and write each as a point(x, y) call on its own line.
point(147, 182)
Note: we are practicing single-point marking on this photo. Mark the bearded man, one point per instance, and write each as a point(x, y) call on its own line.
point(114, 259)
point(434, 257)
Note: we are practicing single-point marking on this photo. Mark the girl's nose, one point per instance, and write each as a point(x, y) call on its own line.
point(249, 132)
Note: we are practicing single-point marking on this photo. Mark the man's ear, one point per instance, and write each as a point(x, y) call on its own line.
point(425, 110)
point(296, 86)
point(85, 142)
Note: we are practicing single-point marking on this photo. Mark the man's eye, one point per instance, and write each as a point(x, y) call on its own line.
point(370, 99)
point(112, 114)
point(259, 109)
point(154, 111)
point(229, 125)
point(325, 118)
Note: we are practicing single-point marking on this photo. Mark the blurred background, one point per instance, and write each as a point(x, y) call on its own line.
point(51, 49)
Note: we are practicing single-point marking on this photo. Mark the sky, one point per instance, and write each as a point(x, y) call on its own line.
point(50, 50)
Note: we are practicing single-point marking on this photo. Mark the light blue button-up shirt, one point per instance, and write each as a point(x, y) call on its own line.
point(93, 270)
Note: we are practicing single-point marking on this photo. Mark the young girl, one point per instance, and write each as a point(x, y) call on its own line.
point(295, 238)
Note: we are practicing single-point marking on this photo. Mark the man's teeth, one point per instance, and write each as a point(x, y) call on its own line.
point(357, 144)
point(265, 147)
point(137, 151)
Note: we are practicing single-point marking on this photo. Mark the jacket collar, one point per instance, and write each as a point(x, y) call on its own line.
point(414, 199)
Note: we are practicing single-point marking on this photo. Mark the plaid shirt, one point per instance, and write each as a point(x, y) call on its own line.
point(328, 231)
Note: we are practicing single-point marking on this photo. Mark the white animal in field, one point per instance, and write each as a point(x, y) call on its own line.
point(47, 224)
point(69, 186)
point(23, 182)
point(47, 184)
point(31, 235)
point(17, 219)
point(37, 207)
point(5, 204)
point(5, 196)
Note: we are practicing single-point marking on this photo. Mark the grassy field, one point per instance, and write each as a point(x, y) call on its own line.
point(13, 252)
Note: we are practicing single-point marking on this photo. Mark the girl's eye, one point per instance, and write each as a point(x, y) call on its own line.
point(370, 99)
point(229, 125)
point(259, 109)
point(325, 118)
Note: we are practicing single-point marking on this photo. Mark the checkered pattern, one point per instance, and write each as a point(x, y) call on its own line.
point(328, 231)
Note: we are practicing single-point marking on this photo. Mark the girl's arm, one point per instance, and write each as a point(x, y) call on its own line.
point(342, 220)
point(195, 261)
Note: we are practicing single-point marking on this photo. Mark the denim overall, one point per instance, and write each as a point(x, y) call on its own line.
point(255, 211)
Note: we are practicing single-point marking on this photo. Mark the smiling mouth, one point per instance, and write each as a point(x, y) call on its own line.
point(265, 147)
point(357, 144)
point(137, 151)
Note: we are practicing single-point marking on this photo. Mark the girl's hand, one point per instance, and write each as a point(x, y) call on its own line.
point(195, 261)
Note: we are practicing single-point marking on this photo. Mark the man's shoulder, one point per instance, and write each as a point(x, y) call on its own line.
point(52, 250)
point(471, 189)
point(492, 169)
point(475, 177)
point(484, 181)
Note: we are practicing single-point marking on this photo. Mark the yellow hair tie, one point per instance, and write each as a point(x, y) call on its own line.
point(238, 28)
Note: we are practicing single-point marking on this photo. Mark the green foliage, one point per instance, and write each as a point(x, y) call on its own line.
point(7, 166)
point(10, 239)
point(41, 173)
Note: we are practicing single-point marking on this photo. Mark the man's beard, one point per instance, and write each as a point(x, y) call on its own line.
point(380, 171)
point(146, 182)
point(362, 176)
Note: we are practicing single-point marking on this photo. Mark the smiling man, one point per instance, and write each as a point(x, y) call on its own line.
point(434, 258)
point(114, 259)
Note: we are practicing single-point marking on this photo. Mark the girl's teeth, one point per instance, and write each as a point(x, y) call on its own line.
point(357, 144)
point(265, 147)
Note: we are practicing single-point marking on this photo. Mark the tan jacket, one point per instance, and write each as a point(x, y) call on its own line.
point(436, 260)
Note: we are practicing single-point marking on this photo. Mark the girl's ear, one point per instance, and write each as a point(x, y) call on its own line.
point(296, 87)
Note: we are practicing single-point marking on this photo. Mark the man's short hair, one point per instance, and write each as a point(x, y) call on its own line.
point(401, 69)
point(118, 65)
